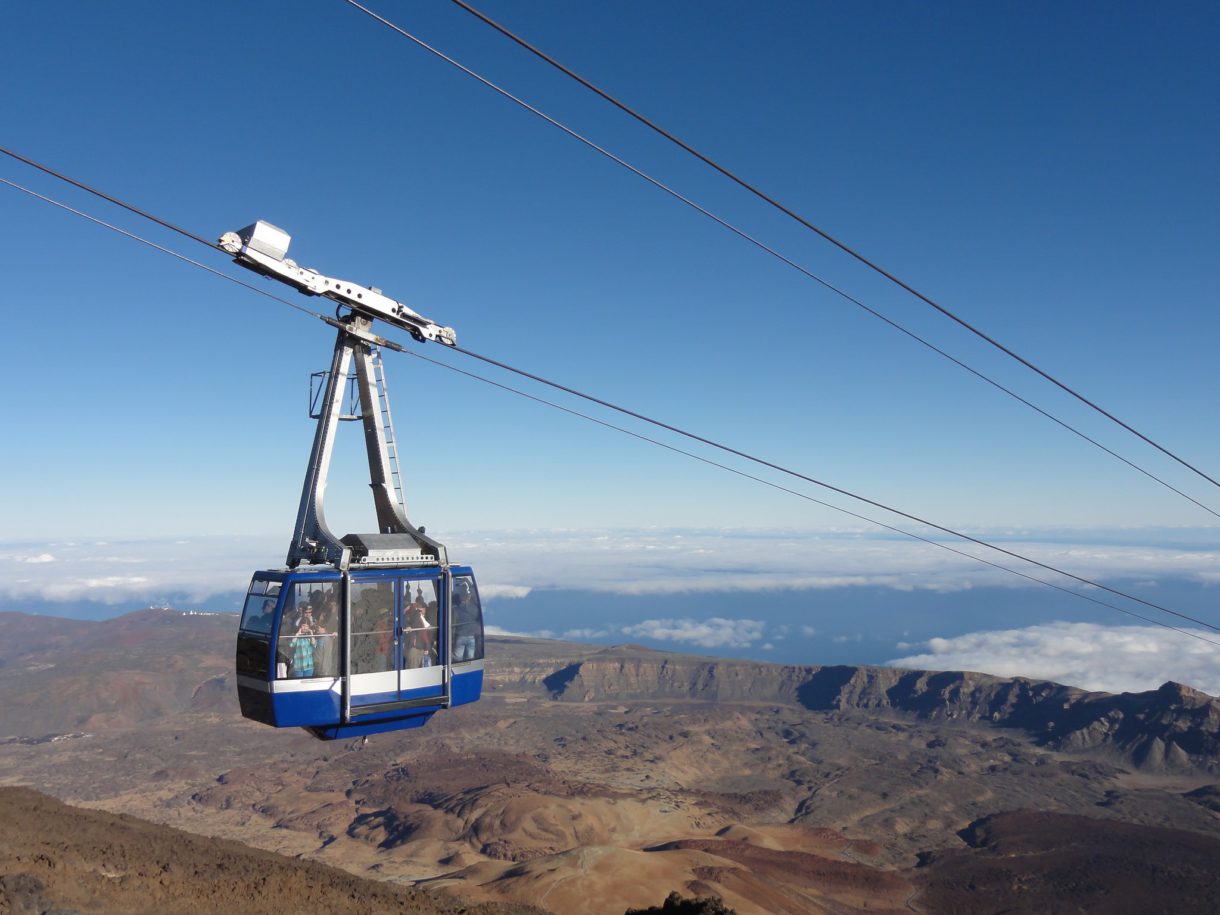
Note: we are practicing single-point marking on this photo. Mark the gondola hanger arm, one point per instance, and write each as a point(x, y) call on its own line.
point(262, 247)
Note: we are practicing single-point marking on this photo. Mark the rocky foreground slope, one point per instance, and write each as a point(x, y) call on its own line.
point(59, 859)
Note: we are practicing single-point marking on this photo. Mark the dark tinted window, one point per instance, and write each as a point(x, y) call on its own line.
point(252, 654)
point(258, 615)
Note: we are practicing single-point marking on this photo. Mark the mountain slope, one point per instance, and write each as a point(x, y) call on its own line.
point(54, 858)
point(1173, 729)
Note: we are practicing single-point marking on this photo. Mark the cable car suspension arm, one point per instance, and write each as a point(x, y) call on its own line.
point(262, 247)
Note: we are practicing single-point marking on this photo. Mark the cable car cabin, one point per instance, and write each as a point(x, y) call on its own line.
point(369, 632)
point(410, 644)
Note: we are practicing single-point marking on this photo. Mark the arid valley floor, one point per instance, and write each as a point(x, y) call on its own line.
point(591, 780)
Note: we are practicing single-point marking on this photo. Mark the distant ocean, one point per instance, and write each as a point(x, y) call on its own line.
point(852, 625)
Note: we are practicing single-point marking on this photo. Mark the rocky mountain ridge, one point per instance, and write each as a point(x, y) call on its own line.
point(1171, 729)
point(1174, 728)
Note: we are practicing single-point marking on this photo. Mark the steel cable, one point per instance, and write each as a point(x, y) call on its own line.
point(830, 486)
point(830, 238)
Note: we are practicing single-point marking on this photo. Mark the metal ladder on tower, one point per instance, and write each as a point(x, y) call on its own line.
point(387, 423)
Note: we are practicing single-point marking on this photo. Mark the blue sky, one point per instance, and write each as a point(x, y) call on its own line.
point(1045, 170)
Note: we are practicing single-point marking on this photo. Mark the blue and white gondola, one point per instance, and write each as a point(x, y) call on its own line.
point(398, 631)
point(370, 686)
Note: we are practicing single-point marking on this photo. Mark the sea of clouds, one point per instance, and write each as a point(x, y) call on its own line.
point(513, 564)
point(1111, 659)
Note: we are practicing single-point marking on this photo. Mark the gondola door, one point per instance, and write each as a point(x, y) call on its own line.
point(375, 639)
point(419, 614)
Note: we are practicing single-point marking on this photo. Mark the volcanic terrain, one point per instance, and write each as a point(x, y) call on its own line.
point(593, 779)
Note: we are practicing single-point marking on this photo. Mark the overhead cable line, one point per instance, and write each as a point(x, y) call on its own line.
point(741, 233)
point(816, 482)
point(872, 265)
point(800, 495)
point(157, 247)
point(160, 248)
point(119, 203)
point(488, 360)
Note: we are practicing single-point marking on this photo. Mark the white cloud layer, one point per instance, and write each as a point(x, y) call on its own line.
point(711, 633)
point(1112, 659)
point(539, 634)
point(502, 592)
point(112, 572)
point(654, 561)
point(510, 564)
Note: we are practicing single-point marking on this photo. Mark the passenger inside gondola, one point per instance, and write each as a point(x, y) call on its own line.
point(419, 636)
point(302, 646)
point(326, 639)
point(265, 620)
point(467, 622)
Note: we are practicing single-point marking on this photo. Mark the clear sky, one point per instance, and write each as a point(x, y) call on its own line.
point(1046, 170)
